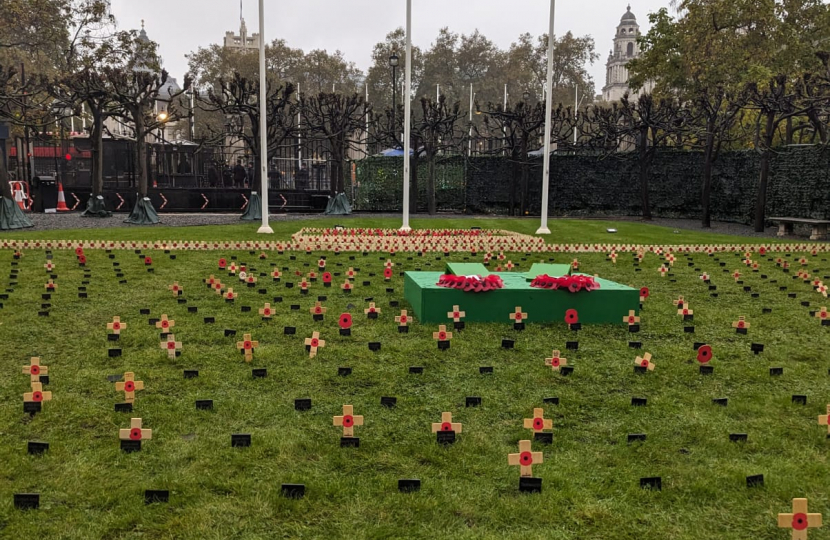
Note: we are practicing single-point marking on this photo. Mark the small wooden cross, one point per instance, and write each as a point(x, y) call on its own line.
point(314, 343)
point(350, 273)
point(165, 324)
point(135, 433)
point(171, 345)
point(175, 288)
point(51, 285)
point(303, 285)
point(822, 313)
point(663, 270)
point(613, 257)
point(456, 314)
point(321, 264)
point(509, 266)
point(670, 258)
point(704, 276)
point(35, 370)
point(388, 263)
point(803, 261)
point(575, 264)
point(49, 266)
point(37, 393)
point(266, 312)
point(824, 420)
point(645, 362)
point(821, 288)
point(538, 423)
point(684, 310)
point(446, 424)
point(116, 325)
point(631, 318)
point(347, 285)
point(442, 334)
point(318, 309)
point(129, 385)
point(251, 279)
point(247, 346)
point(556, 361)
point(736, 274)
point(229, 294)
point(217, 287)
point(517, 316)
point(402, 319)
point(276, 274)
point(740, 323)
point(348, 421)
point(371, 309)
point(312, 275)
point(525, 458)
point(233, 268)
point(679, 302)
point(799, 520)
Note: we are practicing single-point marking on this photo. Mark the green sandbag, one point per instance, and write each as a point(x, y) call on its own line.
point(11, 216)
point(338, 206)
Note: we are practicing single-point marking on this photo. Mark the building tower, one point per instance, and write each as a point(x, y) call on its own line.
point(625, 49)
point(242, 41)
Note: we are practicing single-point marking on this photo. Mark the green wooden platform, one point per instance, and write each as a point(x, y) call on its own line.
point(430, 303)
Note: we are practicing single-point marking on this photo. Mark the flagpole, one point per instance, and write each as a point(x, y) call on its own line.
point(407, 94)
point(263, 124)
point(543, 227)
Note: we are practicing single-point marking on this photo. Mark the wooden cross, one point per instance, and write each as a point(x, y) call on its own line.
point(165, 324)
point(318, 309)
point(645, 362)
point(175, 288)
point(116, 325)
point(388, 263)
point(402, 319)
point(321, 264)
point(684, 310)
point(35, 370)
point(679, 302)
point(251, 279)
point(631, 318)
point(509, 266)
point(371, 309)
point(49, 266)
point(276, 274)
point(247, 346)
point(217, 287)
point(135, 433)
point(556, 361)
point(171, 345)
point(129, 385)
point(740, 323)
point(442, 334)
point(456, 314)
point(824, 420)
point(736, 274)
point(314, 343)
point(663, 270)
point(575, 264)
point(266, 311)
point(350, 273)
point(704, 276)
point(303, 285)
point(613, 257)
point(51, 285)
point(229, 294)
point(538, 423)
point(821, 288)
point(312, 275)
point(517, 316)
point(803, 261)
point(525, 458)
point(232, 268)
point(799, 520)
point(37, 393)
point(347, 285)
point(822, 313)
point(446, 424)
point(348, 421)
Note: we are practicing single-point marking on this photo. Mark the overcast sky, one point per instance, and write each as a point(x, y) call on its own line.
point(354, 26)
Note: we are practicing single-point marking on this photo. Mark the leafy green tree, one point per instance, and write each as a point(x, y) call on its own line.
point(379, 77)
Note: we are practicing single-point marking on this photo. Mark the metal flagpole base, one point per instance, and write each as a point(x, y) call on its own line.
point(405, 228)
point(265, 229)
point(543, 230)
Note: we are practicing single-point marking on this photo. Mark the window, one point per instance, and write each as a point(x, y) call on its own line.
point(630, 49)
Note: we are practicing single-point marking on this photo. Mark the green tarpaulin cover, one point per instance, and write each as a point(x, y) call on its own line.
point(338, 206)
point(95, 207)
point(11, 216)
point(143, 213)
point(254, 210)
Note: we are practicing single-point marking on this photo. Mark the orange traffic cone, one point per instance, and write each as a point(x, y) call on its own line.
point(61, 199)
point(155, 183)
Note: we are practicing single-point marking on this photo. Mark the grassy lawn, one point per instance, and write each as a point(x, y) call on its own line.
point(90, 489)
point(562, 230)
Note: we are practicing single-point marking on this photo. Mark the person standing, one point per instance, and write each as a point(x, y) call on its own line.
point(301, 180)
point(239, 174)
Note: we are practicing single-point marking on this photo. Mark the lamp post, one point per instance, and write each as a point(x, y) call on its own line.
point(263, 125)
point(393, 63)
point(407, 119)
point(162, 117)
point(543, 226)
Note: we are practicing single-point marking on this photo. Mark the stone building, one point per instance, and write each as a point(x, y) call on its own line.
point(625, 49)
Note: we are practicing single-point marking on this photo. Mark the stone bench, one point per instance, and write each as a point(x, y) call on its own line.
point(785, 226)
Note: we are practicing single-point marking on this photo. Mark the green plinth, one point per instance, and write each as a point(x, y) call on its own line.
point(607, 305)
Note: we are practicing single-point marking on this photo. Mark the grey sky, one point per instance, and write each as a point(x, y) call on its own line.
point(354, 26)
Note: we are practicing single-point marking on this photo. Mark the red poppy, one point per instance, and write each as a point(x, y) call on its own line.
point(404, 319)
point(82, 259)
point(571, 316)
point(34, 370)
point(266, 312)
point(704, 354)
point(387, 273)
point(135, 434)
point(526, 458)
point(442, 336)
point(326, 277)
point(315, 342)
point(165, 324)
point(37, 396)
point(644, 363)
point(518, 317)
point(222, 264)
point(800, 521)
point(446, 426)
point(129, 386)
point(171, 345)
point(644, 292)
point(348, 420)
point(345, 321)
point(538, 423)
point(79, 251)
point(246, 345)
point(631, 319)
point(554, 362)
point(321, 263)
point(148, 261)
point(318, 310)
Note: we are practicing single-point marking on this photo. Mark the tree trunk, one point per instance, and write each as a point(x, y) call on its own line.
point(140, 154)
point(96, 207)
point(761, 201)
point(708, 158)
point(5, 187)
point(413, 188)
point(431, 203)
point(645, 161)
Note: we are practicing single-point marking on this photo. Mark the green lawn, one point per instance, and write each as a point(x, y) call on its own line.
point(90, 489)
point(562, 230)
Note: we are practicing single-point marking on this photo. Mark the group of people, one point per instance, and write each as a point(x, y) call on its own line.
point(239, 176)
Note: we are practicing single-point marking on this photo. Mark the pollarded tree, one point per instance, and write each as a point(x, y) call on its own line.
point(12, 93)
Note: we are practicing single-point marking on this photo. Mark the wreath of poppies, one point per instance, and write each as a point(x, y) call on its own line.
point(471, 283)
point(573, 283)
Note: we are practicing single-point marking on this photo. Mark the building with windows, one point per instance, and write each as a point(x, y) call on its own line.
point(243, 40)
point(625, 49)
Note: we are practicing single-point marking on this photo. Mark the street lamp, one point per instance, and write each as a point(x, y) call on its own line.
point(526, 97)
point(163, 117)
point(393, 62)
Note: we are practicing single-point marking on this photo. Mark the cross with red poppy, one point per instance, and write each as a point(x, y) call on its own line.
point(517, 316)
point(217, 287)
point(129, 385)
point(684, 310)
point(525, 458)
point(799, 520)
point(348, 420)
point(314, 343)
point(538, 423)
point(822, 314)
point(631, 318)
point(51, 285)
point(165, 324)
point(347, 286)
point(740, 323)
point(442, 334)
point(116, 326)
point(176, 289)
point(613, 257)
point(736, 274)
point(670, 258)
point(456, 314)
point(663, 270)
point(171, 345)
point(266, 312)
point(210, 281)
point(350, 273)
point(229, 295)
point(250, 279)
point(135, 433)
point(276, 274)
point(645, 362)
point(575, 264)
point(679, 302)
point(35, 370)
point(509, 266)
point(321, 264)
point(821, 288)
point(318, 309)
point(824, 420)
point(704, 276)
point(304, 285)
point(233, 268)
point(371, 309)
point(37, 394)
point(556, 361)
point(446, 424)
point(49, 266)
point(247, 346)
point(803, 261)
point(402, 319)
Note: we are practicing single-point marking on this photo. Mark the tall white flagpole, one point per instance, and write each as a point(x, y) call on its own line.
point(407, 95)
point(543, 227)
point(263, 124)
